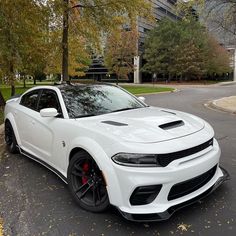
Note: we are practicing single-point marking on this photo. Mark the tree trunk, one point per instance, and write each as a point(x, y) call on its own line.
point(13, 90)
point(117, 80)
point(2, 100)
point(169, 77)
point(12, 79)
point(65, 54)
point(24, 79)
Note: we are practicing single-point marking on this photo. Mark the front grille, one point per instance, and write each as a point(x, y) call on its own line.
point(144, 195)
point(166, 159)
point(189, 186)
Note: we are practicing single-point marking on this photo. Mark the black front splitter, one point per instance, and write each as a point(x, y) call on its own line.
point(170, 211)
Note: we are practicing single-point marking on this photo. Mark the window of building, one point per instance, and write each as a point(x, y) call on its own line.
point(173, 2)
point(162, 9)
point(146, 30)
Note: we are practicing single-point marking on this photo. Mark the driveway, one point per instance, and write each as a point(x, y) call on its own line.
point(34, 201)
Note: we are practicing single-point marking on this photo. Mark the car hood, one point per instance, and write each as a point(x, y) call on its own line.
point(145, 125)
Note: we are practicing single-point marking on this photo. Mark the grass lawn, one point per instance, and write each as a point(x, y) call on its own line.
point(146, 89)
point(6, 91)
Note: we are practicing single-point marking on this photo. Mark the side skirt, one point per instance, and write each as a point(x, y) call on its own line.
point(23, 152)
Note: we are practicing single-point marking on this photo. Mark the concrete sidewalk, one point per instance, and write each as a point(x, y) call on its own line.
point(180, 86)
point(227, 104)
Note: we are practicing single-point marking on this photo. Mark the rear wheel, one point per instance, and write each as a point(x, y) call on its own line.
point(87, 184)
point(10, 138)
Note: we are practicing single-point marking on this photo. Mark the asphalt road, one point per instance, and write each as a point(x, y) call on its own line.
point(34, 201)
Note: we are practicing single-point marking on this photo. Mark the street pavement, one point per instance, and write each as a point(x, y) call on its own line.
point(34, 201)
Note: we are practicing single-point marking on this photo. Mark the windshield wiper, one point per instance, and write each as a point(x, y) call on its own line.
point(86, 115)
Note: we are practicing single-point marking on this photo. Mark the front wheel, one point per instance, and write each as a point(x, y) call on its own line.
point(10, 138)
point(86, 183)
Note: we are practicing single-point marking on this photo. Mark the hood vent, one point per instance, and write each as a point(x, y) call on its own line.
point(114, 123)
point(172, 125)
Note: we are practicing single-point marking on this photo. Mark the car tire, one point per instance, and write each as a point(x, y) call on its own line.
point(10, 138)
point(86, 183)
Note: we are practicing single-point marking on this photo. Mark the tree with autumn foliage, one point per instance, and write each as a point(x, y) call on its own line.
point(121, 48)
point(184, 49)
point(218, 58)
point(97, 17)
point(79, 55)
point(31, 38)
point(189, 61)
point(22, 23)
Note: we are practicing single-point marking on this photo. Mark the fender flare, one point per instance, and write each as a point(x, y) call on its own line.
point(104, 163)
point(11, 119)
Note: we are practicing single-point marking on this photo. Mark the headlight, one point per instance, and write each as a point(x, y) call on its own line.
point(136, 160)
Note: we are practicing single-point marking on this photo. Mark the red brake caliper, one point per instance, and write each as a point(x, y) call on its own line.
point(85, 170)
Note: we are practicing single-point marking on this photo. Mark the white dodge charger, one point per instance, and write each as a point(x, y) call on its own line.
point(112, 148)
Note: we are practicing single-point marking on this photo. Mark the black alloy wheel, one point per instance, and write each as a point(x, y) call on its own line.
point(87, 183)
point(10, 138)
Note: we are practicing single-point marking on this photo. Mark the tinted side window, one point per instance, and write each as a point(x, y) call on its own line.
point(30, 100)
point(48, 99)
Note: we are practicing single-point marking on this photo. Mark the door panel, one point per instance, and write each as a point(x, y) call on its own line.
point(45, 128)
point(23, 116)
point(40, 136)
point(41, 140)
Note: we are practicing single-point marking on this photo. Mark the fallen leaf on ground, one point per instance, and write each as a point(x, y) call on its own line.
point(183, 227)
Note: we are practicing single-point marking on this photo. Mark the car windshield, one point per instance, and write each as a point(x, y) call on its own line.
point(92, 100)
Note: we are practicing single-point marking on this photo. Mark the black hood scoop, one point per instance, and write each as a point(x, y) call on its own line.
point(172, 125)
point(109, 122)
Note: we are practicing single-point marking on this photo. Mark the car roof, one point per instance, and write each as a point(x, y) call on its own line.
point(69, 85)
point(65, 86)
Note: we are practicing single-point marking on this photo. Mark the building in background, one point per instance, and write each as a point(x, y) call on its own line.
point(214, 22)
point(161, 9)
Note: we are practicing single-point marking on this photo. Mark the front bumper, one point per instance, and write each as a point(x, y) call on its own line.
point(170, 211)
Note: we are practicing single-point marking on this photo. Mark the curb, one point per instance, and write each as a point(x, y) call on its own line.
point(227, 83)
point(213, 106)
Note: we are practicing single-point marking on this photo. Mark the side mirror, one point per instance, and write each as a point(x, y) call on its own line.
point(48, 112)
point(142, 99)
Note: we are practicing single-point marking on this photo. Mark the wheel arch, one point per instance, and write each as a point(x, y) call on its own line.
point(90, 146)
point(101, 158)
point(10, 118)
point(76, 150)
point(93, 151)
